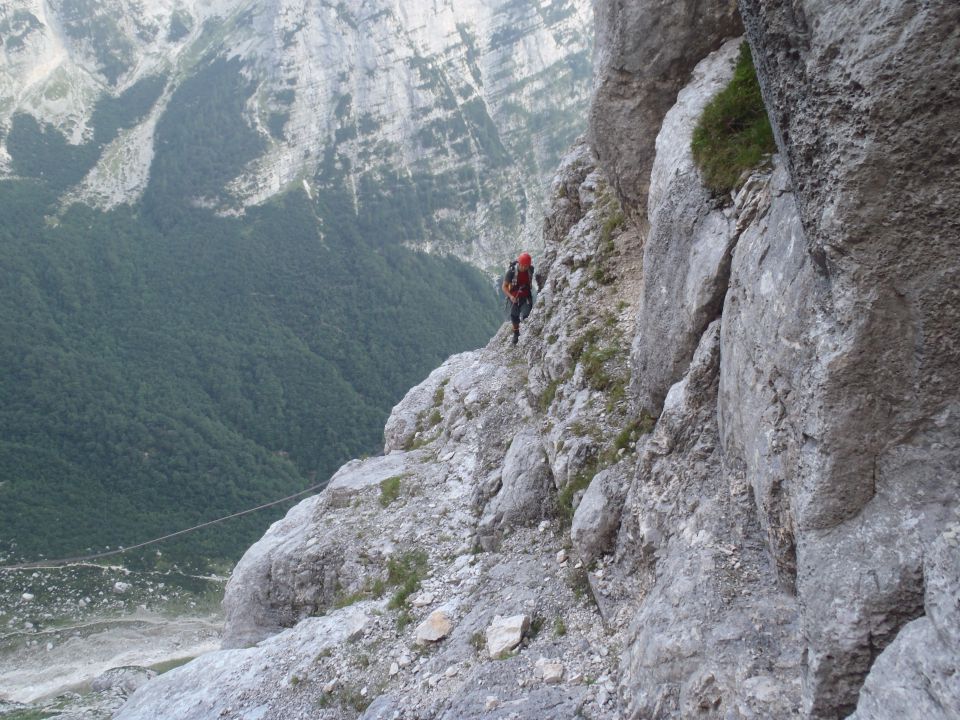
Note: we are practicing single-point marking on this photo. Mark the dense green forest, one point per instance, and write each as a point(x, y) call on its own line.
point(163, 365)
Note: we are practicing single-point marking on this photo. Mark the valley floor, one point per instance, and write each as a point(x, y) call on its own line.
point(45, 666)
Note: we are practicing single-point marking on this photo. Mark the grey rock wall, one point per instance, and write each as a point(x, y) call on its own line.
point(916, 676)
point(686, 258)
point(859, 417)
point(768, 321)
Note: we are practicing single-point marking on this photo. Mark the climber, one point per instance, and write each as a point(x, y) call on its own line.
point(518, 286)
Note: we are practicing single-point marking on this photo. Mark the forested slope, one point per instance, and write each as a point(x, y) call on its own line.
point(156, 378)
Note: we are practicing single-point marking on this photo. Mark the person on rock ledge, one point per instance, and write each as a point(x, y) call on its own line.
point(518, 286)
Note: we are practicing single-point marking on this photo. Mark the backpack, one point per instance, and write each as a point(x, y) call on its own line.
point(511, 276)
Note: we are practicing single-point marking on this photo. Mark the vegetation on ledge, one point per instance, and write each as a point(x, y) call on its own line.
point(734, 133)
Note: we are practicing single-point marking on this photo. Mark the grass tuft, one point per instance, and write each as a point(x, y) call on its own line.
point(390, 490)
point(581, 481)
point(549, 393)
point(406, 572)
point(734, 133)
point(559, 627)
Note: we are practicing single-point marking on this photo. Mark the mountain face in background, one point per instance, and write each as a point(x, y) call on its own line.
point(213, 277)
point(457, 110)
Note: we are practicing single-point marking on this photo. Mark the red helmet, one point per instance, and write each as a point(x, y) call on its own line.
point(524, 260)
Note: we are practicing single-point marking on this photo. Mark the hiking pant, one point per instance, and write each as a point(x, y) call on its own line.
point(521, 309)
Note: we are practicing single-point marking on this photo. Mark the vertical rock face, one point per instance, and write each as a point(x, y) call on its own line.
point(686, 260)
point(766, 352)
point(861, 417)
point(644, 53)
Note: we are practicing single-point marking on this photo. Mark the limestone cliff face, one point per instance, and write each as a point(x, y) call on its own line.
point(720, 472)
point(838, 372)
point(476, 99)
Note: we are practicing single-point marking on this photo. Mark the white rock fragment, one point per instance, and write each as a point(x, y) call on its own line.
point(120, 587)
point(356, 623)
point(394, 669)
point(27, 597)
point(553, 673)
point(492, 703)
point(504, 634)
point(436, 627)
point(548, 670)
point(561, 556)
point(423, 599)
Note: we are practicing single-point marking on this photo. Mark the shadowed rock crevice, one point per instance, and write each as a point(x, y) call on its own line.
point(644, 54)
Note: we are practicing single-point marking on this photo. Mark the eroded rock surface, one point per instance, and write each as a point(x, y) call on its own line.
point(686, 259)
point(856, 457)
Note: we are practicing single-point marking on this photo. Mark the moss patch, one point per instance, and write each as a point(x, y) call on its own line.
point(581, 481)
point(406, 572)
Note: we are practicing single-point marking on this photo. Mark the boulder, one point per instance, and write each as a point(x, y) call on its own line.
point(687, 253)
point(435, 628)
point(597, 518)
point(504, 634)
point(549, 670)
point(525, 484)
point(124, 679)
point(916, 675)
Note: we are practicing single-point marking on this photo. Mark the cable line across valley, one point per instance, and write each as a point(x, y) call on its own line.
point(40, 564)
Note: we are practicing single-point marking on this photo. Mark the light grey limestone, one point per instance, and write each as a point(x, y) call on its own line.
point(709, 632)
point(856, 432)
point(916, 675)
point(512, 702)
point(304, 563)
point(123, 679)
point(597, 517)
point(505, 633)
point(436, 627)
point(232, 681)
point(526, 485)
point(769, 339)
point(686, 256)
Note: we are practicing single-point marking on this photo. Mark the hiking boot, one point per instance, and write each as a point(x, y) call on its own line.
point(516, 337)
